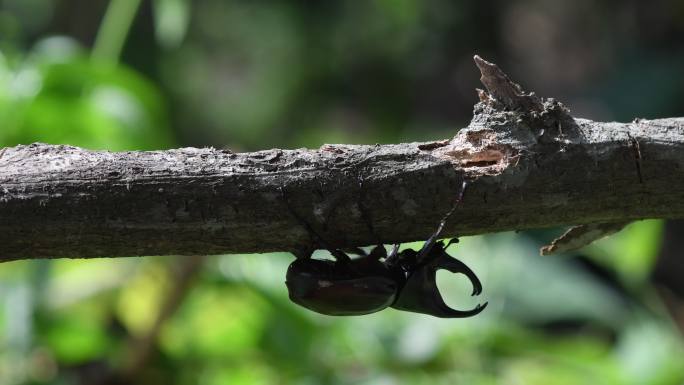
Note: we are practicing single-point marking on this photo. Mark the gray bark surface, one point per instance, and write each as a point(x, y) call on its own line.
point(528, 164)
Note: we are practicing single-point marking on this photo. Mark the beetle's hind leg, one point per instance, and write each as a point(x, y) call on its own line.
point(378, 252)
point(336, 253)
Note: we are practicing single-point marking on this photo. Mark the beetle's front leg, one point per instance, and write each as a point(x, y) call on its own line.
point(430, 243)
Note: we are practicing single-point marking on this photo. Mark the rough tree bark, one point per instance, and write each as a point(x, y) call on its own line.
point(528, 163)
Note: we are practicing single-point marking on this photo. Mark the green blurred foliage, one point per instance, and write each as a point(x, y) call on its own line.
point(56, 94)
point(251, 75)
point(631, 252)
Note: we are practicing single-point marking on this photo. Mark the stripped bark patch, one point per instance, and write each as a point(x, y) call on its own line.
point(478, 152)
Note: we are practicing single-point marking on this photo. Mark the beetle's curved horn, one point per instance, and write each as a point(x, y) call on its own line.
point(421, 295)
point(455, 266)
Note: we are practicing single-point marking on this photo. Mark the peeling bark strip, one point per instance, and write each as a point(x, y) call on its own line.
point(582, 235)
point(528, 162)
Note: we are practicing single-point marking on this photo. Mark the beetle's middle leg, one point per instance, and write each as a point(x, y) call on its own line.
point(338, 254)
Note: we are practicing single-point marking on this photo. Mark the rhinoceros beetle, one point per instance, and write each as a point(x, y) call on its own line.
point(403, 280)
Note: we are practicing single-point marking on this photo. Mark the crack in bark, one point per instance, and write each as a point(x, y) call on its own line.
point(634, 144)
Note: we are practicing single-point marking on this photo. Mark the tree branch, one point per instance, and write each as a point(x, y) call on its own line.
point(528, 164)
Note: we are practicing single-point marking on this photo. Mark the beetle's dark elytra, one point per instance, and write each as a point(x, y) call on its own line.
point(334, 288)
point(367, 285)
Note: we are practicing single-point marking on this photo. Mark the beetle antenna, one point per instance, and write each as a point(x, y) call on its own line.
point(430, 243)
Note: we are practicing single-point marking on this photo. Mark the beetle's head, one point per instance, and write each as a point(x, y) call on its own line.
point(420, 293)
